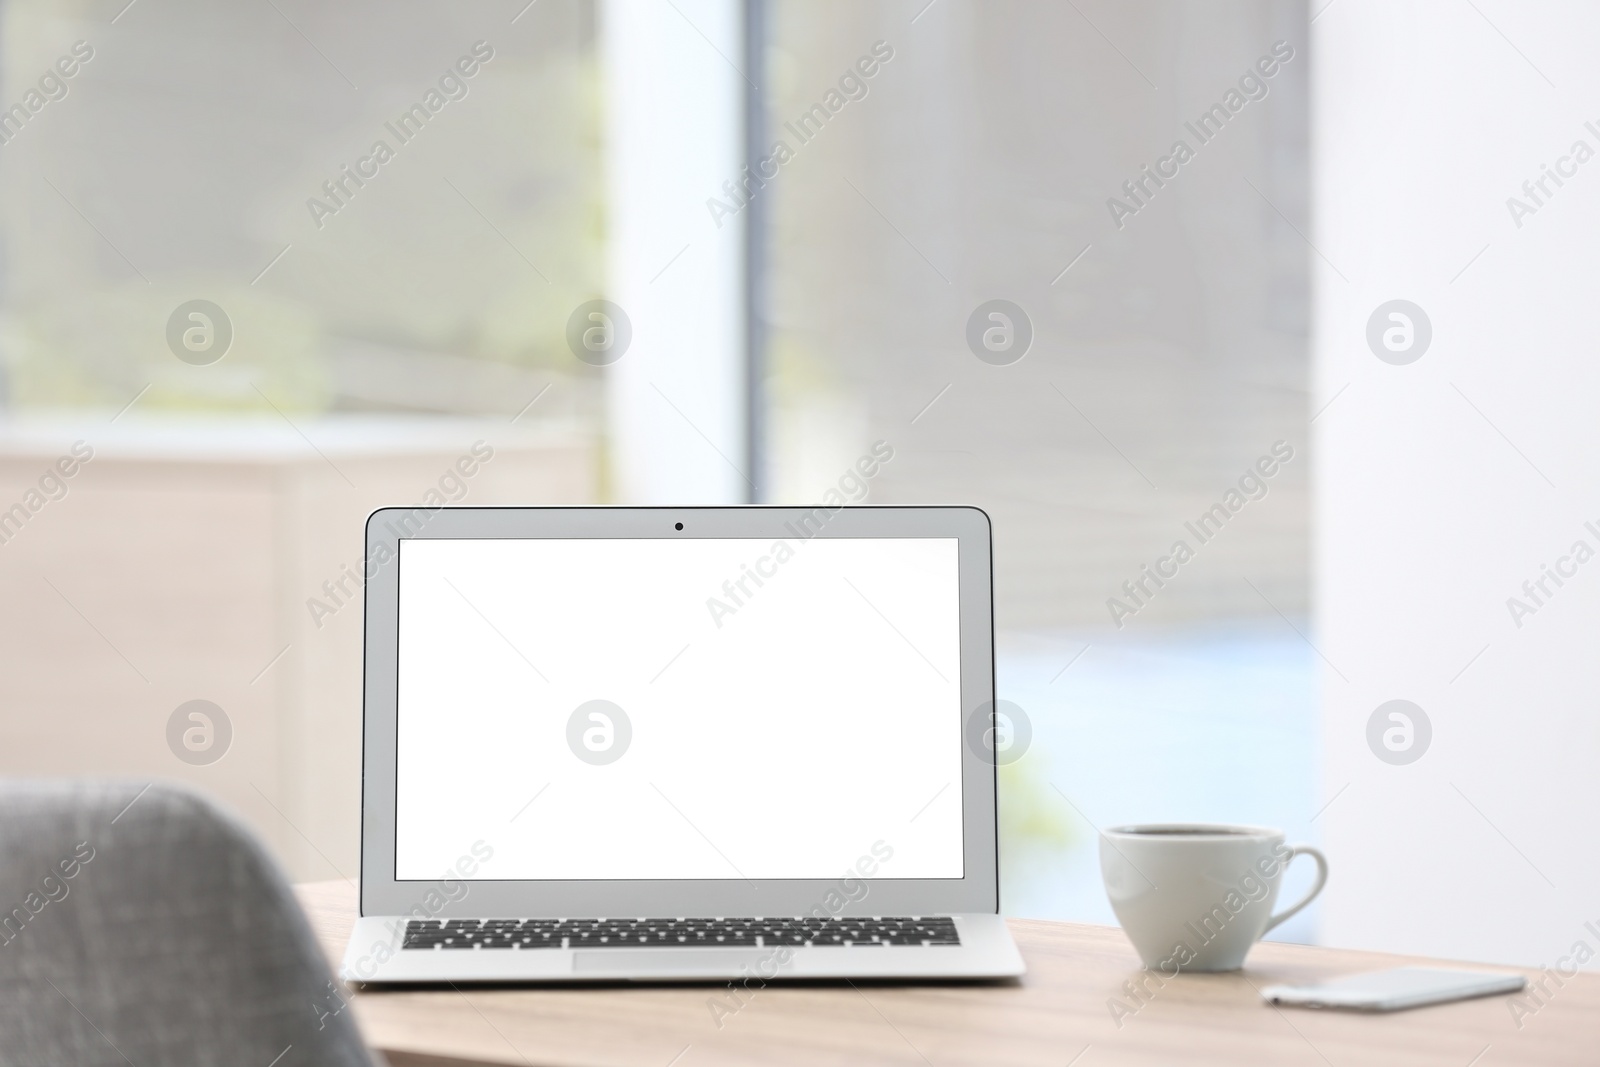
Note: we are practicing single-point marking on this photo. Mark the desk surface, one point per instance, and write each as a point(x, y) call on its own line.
point(1058, 1014)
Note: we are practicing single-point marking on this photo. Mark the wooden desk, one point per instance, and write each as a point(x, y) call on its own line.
point(1056, 1015)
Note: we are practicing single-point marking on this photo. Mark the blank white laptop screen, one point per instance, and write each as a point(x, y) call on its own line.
point(695, 708)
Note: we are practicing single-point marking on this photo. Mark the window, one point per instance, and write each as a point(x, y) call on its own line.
point(946, 165)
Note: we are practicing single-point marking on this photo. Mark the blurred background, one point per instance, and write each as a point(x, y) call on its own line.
point(273, 264)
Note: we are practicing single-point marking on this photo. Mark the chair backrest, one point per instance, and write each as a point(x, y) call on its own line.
point(140, 924)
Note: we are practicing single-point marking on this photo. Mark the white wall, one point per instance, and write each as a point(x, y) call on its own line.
point(674, 129)
point(1443, 484)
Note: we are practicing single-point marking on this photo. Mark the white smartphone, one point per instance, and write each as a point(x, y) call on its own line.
point(1403, 987)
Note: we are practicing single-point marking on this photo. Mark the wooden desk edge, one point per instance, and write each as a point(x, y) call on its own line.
point(1083, 963)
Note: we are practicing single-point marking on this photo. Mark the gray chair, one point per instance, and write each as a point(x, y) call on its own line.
point(145, 926)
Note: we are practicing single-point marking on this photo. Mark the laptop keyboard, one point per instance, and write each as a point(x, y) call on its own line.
point(675, 933)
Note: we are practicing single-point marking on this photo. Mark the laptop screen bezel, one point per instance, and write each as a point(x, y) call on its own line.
point(481, 895)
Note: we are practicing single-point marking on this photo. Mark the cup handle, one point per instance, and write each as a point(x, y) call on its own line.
point(1322, 880)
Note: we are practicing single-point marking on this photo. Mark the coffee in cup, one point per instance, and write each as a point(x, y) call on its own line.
point(1197, 896)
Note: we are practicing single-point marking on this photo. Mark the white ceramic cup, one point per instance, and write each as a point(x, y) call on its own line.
point(1196, 896)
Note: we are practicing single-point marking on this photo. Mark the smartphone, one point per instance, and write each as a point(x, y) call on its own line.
point(1403, 987)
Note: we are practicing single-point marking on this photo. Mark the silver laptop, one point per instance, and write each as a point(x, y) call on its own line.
point(668, 744)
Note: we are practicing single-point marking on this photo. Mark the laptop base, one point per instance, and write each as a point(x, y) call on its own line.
point(376, 958)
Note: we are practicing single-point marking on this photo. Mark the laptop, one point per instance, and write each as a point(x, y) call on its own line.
point(678, 744)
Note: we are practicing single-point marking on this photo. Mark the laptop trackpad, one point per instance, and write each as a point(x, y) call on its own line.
point(646, 961)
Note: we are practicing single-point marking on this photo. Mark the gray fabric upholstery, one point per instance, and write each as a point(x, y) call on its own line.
point(156, 933)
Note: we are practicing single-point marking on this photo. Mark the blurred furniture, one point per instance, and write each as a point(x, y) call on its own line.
point(1058, 1014)
point(184, 562)
point(142, 925)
